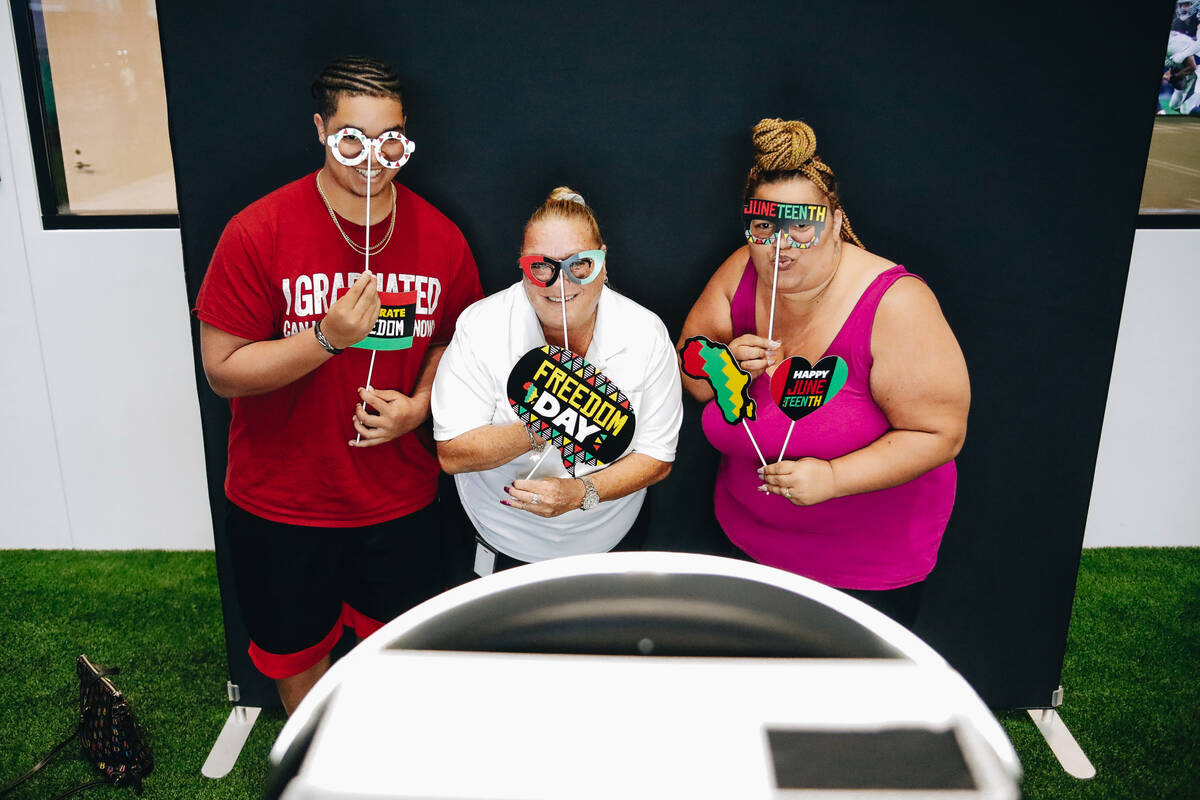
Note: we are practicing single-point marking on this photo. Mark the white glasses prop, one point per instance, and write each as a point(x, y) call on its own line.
point(350, 146)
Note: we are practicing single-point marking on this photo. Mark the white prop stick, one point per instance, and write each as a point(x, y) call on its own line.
point(562, 293)
point(367, 270)
point(786, 439)
point(751, 435)
point(774, 284)
point(545, 452)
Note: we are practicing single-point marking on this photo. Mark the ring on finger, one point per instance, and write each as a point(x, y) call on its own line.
point(535, 499)
point(787, 492)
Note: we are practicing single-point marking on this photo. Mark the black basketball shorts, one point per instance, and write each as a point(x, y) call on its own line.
point(298, 586)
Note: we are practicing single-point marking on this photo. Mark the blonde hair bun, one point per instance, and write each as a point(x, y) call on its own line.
point(565, 194)
point(566, 203)
point(783, 144)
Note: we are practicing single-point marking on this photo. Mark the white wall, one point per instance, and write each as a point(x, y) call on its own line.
point(34, 506)
point(1147, 485)
point(99, 420)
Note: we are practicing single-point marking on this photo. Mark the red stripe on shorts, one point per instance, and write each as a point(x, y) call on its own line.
point(286, 665)
point(363, 625)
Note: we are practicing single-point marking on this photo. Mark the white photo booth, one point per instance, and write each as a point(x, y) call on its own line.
point(642, 675)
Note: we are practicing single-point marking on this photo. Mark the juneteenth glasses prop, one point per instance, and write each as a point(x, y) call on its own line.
point(581, 268)
point(767, 221)
point(392, 150)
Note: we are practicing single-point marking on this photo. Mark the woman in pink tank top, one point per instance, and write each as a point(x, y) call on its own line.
point(860, 497)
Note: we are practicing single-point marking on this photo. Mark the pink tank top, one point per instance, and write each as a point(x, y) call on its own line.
point(879, 540)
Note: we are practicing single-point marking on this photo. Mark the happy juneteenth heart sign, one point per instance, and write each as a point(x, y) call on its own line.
point(799, 388)
point(563, 399)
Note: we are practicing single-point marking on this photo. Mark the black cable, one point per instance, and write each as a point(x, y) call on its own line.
point(45, 760)
point(79, 789)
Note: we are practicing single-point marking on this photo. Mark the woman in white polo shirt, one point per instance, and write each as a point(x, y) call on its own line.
point(490, 451)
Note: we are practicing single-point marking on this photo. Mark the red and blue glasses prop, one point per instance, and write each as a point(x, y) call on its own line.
point(801, 223)
point(351, 147)
point(581, 268)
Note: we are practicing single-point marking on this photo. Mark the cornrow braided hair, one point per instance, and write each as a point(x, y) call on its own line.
point(786, 149)
point(566, 203)
point(354, 75)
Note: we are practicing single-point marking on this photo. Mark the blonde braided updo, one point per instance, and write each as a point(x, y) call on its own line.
point(787, 149)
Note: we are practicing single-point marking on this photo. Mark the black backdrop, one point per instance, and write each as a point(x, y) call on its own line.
point(997, 151)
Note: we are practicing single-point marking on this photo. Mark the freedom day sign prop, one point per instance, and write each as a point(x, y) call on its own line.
point(563, 399)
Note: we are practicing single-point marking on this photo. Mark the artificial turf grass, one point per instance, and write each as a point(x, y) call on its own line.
point(1131, 672)
point(154, 614)
point(1131, 676)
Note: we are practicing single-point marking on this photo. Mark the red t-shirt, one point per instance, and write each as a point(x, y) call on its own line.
point(275, 271)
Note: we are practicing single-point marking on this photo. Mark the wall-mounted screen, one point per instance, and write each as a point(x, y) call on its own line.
point(1172, 184)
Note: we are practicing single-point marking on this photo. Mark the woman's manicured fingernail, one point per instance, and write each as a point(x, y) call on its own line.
point(505, 503)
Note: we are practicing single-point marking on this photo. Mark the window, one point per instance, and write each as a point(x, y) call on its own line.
point(1171, 191)
point(93, 82)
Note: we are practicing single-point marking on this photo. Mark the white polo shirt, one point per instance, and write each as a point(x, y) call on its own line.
point(630, 345)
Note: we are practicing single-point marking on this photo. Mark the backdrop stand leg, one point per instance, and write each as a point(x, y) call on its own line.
point(233, 737)
point(1068, 752)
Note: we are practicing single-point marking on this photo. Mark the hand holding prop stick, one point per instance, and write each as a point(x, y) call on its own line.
point(391, 150)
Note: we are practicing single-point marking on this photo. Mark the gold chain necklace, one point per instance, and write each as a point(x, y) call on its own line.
point(362, 251)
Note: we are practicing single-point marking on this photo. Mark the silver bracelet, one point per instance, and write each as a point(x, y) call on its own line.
point(536, 443)
point(325, 342)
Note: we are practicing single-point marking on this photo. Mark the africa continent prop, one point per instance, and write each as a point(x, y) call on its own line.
point(711, 361)
point(706, 360)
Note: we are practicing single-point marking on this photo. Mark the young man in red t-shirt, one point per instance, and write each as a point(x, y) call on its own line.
point(331, 484)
